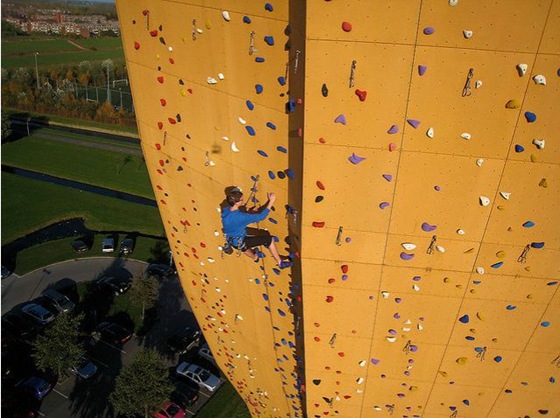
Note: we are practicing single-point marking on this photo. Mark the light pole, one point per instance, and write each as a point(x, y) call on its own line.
point(37, 71)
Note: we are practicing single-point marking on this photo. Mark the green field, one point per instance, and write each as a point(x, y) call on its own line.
point(75, 162)
point(41, 46)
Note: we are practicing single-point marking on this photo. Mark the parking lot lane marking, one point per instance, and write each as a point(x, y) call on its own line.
point(190, 412)
point(111, 345)
point(99, 361)
point(40, 413)
point(202, 393)
point(60, 393)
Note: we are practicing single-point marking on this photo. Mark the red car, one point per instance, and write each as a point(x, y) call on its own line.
point(170, 410)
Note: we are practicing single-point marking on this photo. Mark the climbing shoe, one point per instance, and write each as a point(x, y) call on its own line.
point(284, 264)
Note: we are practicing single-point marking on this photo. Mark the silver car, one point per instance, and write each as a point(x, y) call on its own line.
point(202, 377)
point(206, 354)
point(58, 300)
point(108, 245)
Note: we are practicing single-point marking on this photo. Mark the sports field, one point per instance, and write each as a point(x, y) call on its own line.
point(20, 52)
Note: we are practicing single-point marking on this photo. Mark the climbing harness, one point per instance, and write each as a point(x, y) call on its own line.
point(352, 71)
point(467, 87)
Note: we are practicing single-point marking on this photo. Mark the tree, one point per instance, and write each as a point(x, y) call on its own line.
point(123, 160)
point(7, 127)
point(144, 292)
point(140, 161)
point(58, 348)
point(141, 388)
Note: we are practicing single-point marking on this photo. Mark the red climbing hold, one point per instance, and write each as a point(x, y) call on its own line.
point(171, 60)
point(154, 32)
point(158, 146)
point(329, 299)
point(392, 146)
point(320, 185)
point(161, 162)
point(160, 79)
point(322, 140)
point(145, 12)
point(163, 102)
point(317, 339)
point(172, 121)
point(318, 224)
point(331, 280)
point(136, 46)
point(344, 268)
point(160, 125)
point(361, 94)
point(341, 354)
point(190, 91)
point(346, 26)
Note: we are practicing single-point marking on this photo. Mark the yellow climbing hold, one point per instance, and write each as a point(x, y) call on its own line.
point(472, 330)
point(529, 296)
point(500, 254)
point(534, 158)
point(472, 291)
point(183, 92)
point(494, 340)
point(444, 374)
point(513, 104)
point(543, 183)
point(413, 388)
point(500, 207)
point(208, 24)
point(480, 316)
point(528, 268)
point(461, 361)
point(470, 250)
point(446, 280)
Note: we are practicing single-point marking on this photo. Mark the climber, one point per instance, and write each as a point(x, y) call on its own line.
point(235, 220)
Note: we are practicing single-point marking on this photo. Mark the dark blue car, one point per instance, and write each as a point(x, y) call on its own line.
point(35, 386)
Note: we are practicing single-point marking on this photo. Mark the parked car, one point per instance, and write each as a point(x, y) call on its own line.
point(5, 272)
point(196, 374)
point(183, 340)
point(113, 333)
point(170, 410)
point(127, 246)
point(184, 394)
point(35, 386)
point(19, 327)
point(79, 246)
point(206, 354)
point(39, 313)
point(118, 285)
point(59, 301)
point(83, 368)
point(108, 245)
point(163, 271)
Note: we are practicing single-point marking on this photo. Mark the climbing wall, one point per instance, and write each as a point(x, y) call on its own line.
point(414, 149)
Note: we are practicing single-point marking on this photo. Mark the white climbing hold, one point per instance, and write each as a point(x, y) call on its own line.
point(225, 15)
point(408, 322)
point(360, 380)
point(199, 30)
point(539, 143)
point(484, 201)
point(419, 327)
point(211, 80)
point(479, 162)
point(385, 294)
point(211, 163)
point(430, 133)
point(362, 363)
point(241, 120)
point(460, 232)
point(466, 135)
point(210, 260)
point(522, 69)
point(221, 76)
point(225, 138)
point(440, 248)
point(170, 49)
point(234, 147)
point(453, 3)
point(505, 195)
point(406, 329)
point(415, 287)
point(391, 339)
point(480, 270)
point(540, 79)
point(478, 84)
point(468, 34)
point(216, 234)
point(408, 246)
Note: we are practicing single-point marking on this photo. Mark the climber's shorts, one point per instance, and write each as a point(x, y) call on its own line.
point(251, 241)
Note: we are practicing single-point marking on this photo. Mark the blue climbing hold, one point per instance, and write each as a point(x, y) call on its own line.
point(282, 80)
point(250, 105)
point(466, 402)
point(537, 244)
point(414, 123)
point(464, 319)
point(479, 349)
point(258, 281)
point(552, 379)
point(497, 265)
point(469, 338)
point(269, 40)
point(265, 296)
point(545, 324)
point(258, 88)
point(259, 59)
point(261, 152)
point(519, 148)
point(552, 283)
point(268, 7)
point(250, 130)
point(511, 307)
point(291, 105)
point(274, 221)
point(271, 125)
point(271, 175)
point(290, 173)
point(282, 149)
point(530, 116)
point(528, 224)
point(246, 19)
point(275, 238)
point(497, 359)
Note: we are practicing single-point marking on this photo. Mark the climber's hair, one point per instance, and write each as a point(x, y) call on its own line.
point(234, 195)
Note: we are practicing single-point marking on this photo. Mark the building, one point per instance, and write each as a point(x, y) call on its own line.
point(406, 141)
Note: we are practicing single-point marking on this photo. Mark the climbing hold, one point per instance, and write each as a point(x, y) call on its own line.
point(160, 79)
point(383, 205)
point(250, 105)
point(437, 188)
point(537, 245)
point(545, 324)
point(344, 268)
point(505, 195)
point(393, 129)
point(529, 224)
point(453, 3)
point(413, 123)
point(521, 69)
point(329, 299)
point(422, 69)
point(250, 130)
point(500, 254)
point(387, 177)
point(281, 149)
point(320, 185)
point(136, 46)
point(269, 40)
point(259, 59)
point(271, 125)
point(355, 159)
point(317, 382)
point(543, 183)
point(211, 80)
point(317, 224)
point(281, 175)
point(466, 135)
point(246, 19)
point(468, 34)
point(497, 265)
point(346, 26)
point(513, 104)
point(261, 152)
point(464, 319)
point(391, 339)
point(340, 119)
point(268, 7)
point(539, 143)
point(361, 94)
point(540, 79)
point(478, 84)
point(460, 232)
point(258, 88)
point(428, 31)
point(484, 201)
point(392, 146)
point(530, 116)
point(511, 307)
point(497, 359)
point(154, 33)
point(440, 249)
point(225, 15)
point(427, 227)
point(519, 148)
point(271, 175)
point(461, 361)
point(479, 162)
point(430, 133)
point(241, 120)
point(324, 90)
point(480, 270)
point(221, 76)
point(407, 256)
point(234, 147)
point(408, 246)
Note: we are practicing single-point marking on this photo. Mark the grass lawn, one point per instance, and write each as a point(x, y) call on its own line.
point(30, 46)
point(226, 403)
point(75, 162)
point(28, 205)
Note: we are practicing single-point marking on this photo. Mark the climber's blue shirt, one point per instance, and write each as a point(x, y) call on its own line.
point(235, 222)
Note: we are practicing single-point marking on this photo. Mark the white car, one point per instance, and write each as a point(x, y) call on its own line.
point(108, 245)
point(206, 354)
point(202, 377)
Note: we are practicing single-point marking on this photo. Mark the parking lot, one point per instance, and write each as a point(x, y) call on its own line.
point(74, 397)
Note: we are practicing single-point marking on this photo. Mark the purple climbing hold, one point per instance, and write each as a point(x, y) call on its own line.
point(529, 224)
point(268, 7)
point(281, 149)
point(259, 59)
point(413, 348)
point(422, 69)
point(355, 159)
point(282, 80)
point(340, 119)
point(464, 319)
point(387, 177)
point(250, 130)
point(281, 312)
point(374, 361)
point(250, 105)
point(269, 40)
point(393, 129)
point(417, 278)
point(406, 256)
point(265, 296)
point(414, 123)
point(428, 31)
point(271, 175)
point(383, 205)
point(261, 152)
point(530, 116)
point(258, 88)
point(497, 265)
point(246, 19)
point(537, 245)
point(519, 148)
point(437, 188)
point(271, 125)
point(427, 227)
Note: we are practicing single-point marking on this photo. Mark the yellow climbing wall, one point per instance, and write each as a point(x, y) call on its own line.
point(414, 149)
